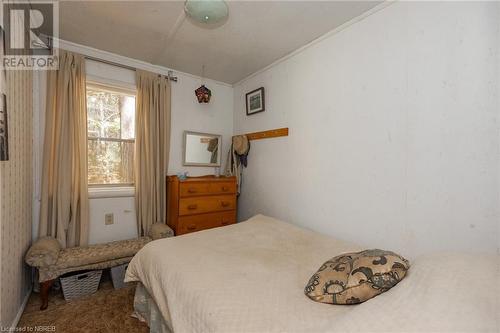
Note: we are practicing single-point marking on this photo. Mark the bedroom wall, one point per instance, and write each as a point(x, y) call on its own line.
point(15, 199)
point(186, 114)
point(393, 131)
point(498, 108)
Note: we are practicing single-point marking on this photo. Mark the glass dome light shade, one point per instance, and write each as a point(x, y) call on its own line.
point(206, 11)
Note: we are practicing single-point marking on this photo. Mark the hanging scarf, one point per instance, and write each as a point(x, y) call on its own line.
point(236, 157)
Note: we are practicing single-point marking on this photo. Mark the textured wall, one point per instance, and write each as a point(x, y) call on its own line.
point(15, 196)
point(393, 131)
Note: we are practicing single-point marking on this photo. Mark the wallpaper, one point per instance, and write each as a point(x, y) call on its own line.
point(16, 183)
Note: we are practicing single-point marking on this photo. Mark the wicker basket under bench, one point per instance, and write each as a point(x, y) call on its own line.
point(81, 284)
point(52, 261)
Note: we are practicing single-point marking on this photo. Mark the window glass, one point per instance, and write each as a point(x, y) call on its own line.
point(111, 136)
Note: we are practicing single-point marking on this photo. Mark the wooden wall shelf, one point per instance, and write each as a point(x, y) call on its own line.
point(274, 133)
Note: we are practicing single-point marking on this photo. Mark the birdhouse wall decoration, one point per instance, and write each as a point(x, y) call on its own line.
point(203, 94)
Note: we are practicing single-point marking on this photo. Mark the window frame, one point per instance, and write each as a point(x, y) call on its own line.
point(111, 88)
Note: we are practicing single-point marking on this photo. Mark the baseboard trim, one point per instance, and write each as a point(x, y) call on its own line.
point(21, 310)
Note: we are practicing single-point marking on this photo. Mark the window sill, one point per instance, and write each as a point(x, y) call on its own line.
point(111, 192)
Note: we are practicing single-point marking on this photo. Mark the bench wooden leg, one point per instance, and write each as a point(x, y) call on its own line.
point(44, 293)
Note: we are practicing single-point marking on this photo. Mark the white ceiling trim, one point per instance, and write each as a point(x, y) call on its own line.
point(139, 64)
point(319, 39)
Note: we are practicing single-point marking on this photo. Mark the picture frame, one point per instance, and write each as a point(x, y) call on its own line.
point(255, 101)
point(4, 132)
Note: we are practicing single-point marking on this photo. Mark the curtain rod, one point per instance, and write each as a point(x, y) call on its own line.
point(169, 76)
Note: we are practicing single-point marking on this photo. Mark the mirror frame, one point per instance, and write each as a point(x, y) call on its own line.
point(219, 152)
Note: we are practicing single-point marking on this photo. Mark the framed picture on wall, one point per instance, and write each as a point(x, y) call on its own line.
point(4, 134)
point(255, 101)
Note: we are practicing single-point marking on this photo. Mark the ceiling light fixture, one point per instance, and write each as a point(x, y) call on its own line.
point(206, 12)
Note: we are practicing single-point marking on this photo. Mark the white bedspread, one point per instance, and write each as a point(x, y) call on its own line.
point(250, 277)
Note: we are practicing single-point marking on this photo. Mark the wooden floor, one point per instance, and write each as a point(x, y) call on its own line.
point(108, 310)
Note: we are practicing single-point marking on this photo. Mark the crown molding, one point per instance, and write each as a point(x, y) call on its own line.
point(327, 35)
point(139, 64)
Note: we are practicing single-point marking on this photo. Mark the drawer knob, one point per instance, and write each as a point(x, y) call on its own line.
point(224, 188)
point(191, 190)
point(191, 207)
point(225, 204)
point(191, 227)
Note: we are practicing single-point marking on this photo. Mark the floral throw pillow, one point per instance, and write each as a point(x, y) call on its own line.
point(355, 277)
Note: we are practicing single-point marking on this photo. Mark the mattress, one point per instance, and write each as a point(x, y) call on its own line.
point(250, 277)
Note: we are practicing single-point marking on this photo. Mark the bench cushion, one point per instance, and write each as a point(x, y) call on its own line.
point(85, 255)
point(50, 272)
point(160, 230)
point(97, 256)
point(44, 252)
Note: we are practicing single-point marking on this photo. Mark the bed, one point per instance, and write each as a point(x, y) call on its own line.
point(250, 277)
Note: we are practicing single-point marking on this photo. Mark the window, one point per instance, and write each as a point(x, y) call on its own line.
point(111, 135)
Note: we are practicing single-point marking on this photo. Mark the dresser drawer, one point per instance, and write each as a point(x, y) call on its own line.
point(200, 205)
point(223, 187)
point(228, 218)
point(194, 223)
point(190, 189)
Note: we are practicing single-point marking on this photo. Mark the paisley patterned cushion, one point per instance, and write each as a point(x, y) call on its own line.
point(355, 277)
point(43, 252)
point(160, 230)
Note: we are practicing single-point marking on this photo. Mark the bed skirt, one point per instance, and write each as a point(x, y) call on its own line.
point(146, 310)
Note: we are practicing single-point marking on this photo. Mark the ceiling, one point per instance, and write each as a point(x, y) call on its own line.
point(256, 33)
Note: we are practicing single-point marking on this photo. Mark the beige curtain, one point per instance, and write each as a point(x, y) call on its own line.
point(64, 206)
point(152, 144)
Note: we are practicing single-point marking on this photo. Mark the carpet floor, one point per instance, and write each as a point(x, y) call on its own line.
point(108, 310)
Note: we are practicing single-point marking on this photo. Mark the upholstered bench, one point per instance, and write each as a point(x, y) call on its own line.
point(52, 261)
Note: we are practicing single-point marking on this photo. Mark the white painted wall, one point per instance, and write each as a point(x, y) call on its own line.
point(393, 131)
point(186, 113)
point(498, 152)
point(124, 226)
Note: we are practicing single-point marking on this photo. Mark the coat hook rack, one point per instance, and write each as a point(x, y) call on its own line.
point(274, 133)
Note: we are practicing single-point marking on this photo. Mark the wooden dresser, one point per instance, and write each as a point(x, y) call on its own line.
point(199, 203)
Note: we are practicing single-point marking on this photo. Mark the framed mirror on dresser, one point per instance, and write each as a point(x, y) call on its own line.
point(202, 149)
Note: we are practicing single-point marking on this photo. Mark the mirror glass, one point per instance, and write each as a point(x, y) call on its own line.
point(202, 149)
